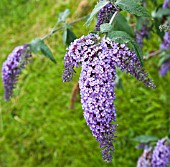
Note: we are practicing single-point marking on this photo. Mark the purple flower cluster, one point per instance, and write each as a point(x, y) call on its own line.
point(164, 68)
point(142, 33)
point(166, 41)
point(146, 158)
point(104, 15)
point(99, 61)
point(12, 67)
point(166, 4)
point(74, 57)
point(161, 154)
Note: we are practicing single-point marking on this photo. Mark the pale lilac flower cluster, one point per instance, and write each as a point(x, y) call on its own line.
point(99, 61)
point(104, 15)
point(165, 67)
point(166, 4)
point(145, 160)
point(161, 154)
point(165, 45)
point(12, 67)
point(144, 32)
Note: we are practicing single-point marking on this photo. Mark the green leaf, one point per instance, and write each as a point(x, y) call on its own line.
point(63, 16)
point(154, 2)
point(96, 9)
point(160, 13)
point(35, 45)
point(121, 24)
point(106, 27)
point(168, 19)
point(38, 45)
point(145, 138)
point(123, 37)
point(164, 58)
point(169, 134)
point(138, 51)
point(68, 36)
point(119, 36)
point(119, 83)
point(133, 7)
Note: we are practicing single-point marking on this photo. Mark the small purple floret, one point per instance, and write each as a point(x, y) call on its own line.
point(12, 67)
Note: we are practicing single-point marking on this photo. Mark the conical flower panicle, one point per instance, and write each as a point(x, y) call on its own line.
point(127, 61)
point(146, 158)
point(104, 15)
point(161, 154)
point(97, 96)
point(99, 61)
point(13, 66)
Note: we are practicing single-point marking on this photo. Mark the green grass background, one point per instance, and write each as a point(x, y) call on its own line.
point(37, 128)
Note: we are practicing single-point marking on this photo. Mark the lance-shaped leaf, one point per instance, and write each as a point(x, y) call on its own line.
point(164, 58)
point(63, 16)
point(68, 36)
point(123, 37)
point(96, 9)
point(133, 7)
point(121, 24)
point(145, 138)
point(38, 45)
point(160, 13)
point(106, 27)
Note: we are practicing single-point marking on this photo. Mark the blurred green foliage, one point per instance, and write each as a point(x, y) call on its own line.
point(37, 128)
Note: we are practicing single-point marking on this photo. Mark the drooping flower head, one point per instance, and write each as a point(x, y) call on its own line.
point(165, 67)
point(104, 15)
point(12, 67)
point(146, 158)
point(161, 154)
point(99, 61)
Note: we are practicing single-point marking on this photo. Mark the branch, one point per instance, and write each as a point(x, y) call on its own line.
point(152, 54)
point(113, 17)
point(60, 28)
point(75, 91)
